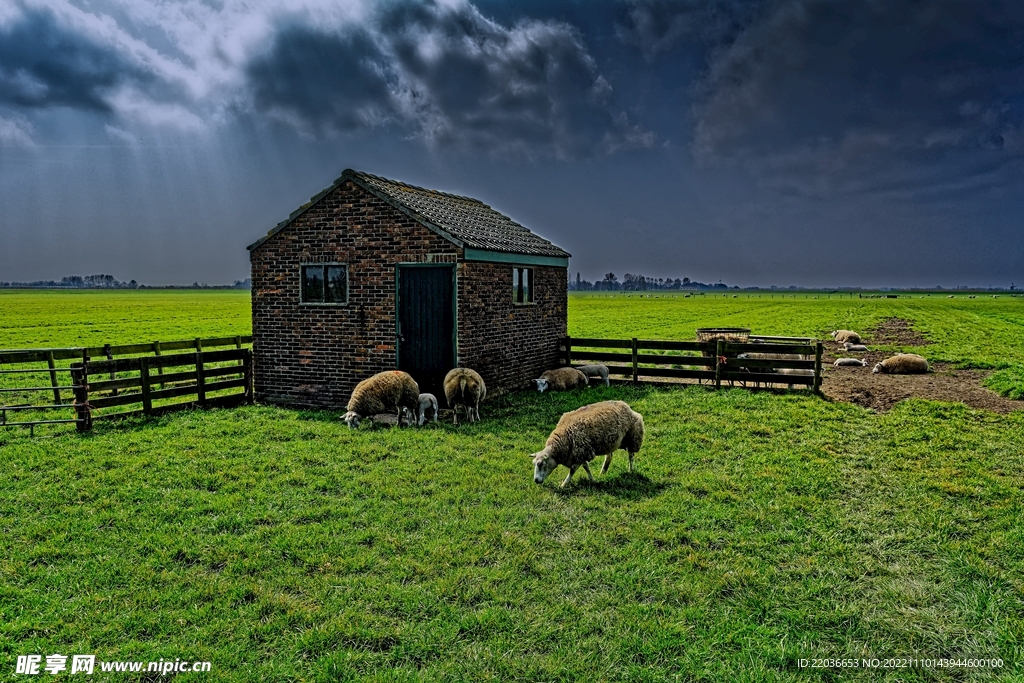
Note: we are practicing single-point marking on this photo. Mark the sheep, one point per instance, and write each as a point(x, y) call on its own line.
point(427, 406)
point(561, 379)
point(385, 392)
point(903, 364)
point(595, 370)
point(587, 432)
point(464, 387)
point(844, 362)
point(845, 336)
point(854, 347)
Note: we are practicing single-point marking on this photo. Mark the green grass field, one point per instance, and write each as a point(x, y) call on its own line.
point(758, 530)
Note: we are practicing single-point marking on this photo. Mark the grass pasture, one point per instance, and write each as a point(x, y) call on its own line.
point(759, 528)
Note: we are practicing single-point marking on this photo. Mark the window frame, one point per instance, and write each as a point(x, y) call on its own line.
point(323, 265)
point(531, 287)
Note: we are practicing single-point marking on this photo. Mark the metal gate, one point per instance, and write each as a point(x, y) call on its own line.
point(426, 324)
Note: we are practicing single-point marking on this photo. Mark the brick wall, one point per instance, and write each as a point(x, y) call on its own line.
point(311, 355)
point(509, 344)
point(314, 355)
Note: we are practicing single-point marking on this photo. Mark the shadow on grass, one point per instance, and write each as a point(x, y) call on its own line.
point(626, 485)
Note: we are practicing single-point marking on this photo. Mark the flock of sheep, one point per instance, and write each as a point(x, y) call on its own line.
point(580, 435)
point(900, 364)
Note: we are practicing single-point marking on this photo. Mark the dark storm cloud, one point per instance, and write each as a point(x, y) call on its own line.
point(44, 64)
point(447, 75)
point(816, 94)
point(659, 26)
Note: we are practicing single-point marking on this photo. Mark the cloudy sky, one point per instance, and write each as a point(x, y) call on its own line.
point(758, 142)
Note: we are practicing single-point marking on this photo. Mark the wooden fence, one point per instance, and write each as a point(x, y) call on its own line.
point(97, 385)
point(708, 363)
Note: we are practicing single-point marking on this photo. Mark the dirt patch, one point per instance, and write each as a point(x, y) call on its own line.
point(881, 392)
point(896, 332)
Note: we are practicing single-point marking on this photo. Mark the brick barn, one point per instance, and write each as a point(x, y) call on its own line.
point(373, 274)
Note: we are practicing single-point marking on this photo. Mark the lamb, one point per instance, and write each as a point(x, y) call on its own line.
point(854, 347)
point(587, 432)
point(903, 364)
point(595, 370)
point(561, 379)
point(427, 407)
point(385, 392)
point(845, 336)
point(844, 362)
point(464, 387)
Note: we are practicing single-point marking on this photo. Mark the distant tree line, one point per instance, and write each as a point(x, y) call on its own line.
point(104, 281)
point(639, 283)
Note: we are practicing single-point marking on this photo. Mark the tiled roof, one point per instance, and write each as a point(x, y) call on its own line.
point(464, 219)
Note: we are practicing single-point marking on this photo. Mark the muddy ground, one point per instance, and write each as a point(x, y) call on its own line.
point(881, 392)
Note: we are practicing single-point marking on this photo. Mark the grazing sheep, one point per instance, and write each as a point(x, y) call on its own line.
point(561, 379)
point(464, 387)
point(845, 336)
point(427, 407)
point(385, 392)
point(595, 370)
point(903, 364)
point(854, 347)
point(585, 433)
point(844, 362)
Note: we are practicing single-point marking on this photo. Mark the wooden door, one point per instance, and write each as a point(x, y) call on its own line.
point(426, 324)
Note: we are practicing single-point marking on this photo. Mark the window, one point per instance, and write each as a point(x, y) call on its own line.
point(325, 283)
point(522, 285)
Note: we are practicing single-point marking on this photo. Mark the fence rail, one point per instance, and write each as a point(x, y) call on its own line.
point(97, 385)
point(796, 361)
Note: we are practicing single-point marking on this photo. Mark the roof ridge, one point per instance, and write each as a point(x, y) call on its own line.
point(428, 190)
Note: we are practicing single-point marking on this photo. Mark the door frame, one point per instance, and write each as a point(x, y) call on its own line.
point(455, 307)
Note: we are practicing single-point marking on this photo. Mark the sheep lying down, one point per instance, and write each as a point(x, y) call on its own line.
point(903, 364)
point(561, 379)
point(585, 433)
point(850, 362)
point(845, 336)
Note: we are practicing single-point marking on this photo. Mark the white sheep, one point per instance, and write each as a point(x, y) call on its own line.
point(427, 408)
point(903, 364)
point(854, 347)
point(585, 433)
point(844, 362)
point(385, 392)
point(464, 387)
point(561, 379)
point(594, 371)
point(845, 336)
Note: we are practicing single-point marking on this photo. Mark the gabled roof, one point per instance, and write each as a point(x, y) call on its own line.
point(465, 221)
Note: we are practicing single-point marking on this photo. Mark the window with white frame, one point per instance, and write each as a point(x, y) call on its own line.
point(324, 283)
point(522, 285)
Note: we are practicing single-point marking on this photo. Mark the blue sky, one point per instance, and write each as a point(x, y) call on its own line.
point(807, 142)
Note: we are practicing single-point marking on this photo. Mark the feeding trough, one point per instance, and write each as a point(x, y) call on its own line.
point(729, 334)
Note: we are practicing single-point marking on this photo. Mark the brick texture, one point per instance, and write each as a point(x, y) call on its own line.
point(314, 355)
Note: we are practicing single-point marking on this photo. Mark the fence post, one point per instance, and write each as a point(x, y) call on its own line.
point(817, 368)
point(147, 400)
point(636, 372)
point(200, 379)
point(108, 352)
point(568, 351)
point(718, 364)
point(160, 368)
point(53, 376)
point(80, 380)
point(247, 365)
